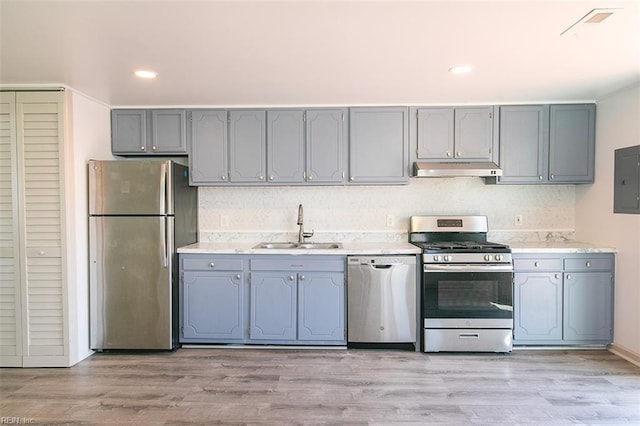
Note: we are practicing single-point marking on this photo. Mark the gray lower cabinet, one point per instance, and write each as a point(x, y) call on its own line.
point(542, 144)
point(563, 299)
point(263, 299)
point(148, 132)
point(298, 299)
point(378, 145)
point(212, 299)
point(455, 133)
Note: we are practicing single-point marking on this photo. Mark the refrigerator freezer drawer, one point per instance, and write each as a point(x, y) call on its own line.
point(130, 280)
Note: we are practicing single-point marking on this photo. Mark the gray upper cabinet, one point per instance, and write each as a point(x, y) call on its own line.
point(325, 145)
point(626, 187)
point(542, 144)
point(378, 145)
point(267, 147)
point(524, 147)
point(285, 146)
point(148, 132)
point(572, 143)
point(208, 150)
point(247, 146)
point(455, 133)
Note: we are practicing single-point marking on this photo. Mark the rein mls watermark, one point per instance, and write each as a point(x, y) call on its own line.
point(17, 421)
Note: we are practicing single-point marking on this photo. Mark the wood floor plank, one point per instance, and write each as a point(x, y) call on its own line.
point(354, 387)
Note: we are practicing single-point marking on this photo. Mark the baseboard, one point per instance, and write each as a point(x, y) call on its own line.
point(630, 356)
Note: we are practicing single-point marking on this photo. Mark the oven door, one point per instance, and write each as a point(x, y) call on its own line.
point(467, 295)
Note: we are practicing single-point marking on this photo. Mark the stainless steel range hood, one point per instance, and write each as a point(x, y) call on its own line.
point(458, 168)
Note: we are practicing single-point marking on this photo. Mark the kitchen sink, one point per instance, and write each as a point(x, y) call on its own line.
point(303, 246)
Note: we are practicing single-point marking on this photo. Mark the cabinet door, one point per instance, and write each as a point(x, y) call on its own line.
point(129, 131)
point(572, 143)
point(212, 305)
point(524, 139)
point(168, 131)
point(285, 146)
point(473, 133)
point(39, 140)
point(208, 157)
point(247, 146)
point(588, 307)
point(435, 133)
point(537, 307)
point(325, 141)
point(321, 306)
point(273, 306)
point(10, 284)
point(378, 145)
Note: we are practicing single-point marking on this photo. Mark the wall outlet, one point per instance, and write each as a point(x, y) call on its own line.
point(517, 220)
point(391, 221)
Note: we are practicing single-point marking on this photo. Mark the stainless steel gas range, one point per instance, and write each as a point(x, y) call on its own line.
point(467, 285)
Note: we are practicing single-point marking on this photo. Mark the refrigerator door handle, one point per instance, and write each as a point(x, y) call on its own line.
point(165, 246)
point(163, 188)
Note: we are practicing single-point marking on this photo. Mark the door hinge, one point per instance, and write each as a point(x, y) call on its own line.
point(304, 116)
point(342, 116)
point(490, 115)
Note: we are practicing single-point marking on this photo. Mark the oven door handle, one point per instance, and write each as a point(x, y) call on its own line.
point(467, 268)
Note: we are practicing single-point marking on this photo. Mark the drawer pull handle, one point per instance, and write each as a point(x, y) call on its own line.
point(237, 276)
point(557, 276)
point(536, 264)
point(588, 264)
point(291, 277)
point(469, 335)
point(212, 265)
point(568, 276)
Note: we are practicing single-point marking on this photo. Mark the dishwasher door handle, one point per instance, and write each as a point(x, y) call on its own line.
point(387, 266)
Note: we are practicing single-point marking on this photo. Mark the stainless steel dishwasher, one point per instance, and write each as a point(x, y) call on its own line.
point(381, 292)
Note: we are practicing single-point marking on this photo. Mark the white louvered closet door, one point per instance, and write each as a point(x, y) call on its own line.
point(10, 287)
point(39, 135)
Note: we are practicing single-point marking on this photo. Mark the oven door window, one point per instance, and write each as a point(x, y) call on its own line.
point(468, 295)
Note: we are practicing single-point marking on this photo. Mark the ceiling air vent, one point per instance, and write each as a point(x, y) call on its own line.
point(596, 16)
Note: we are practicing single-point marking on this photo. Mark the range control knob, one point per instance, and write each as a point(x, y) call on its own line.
point(498, 257)
point(436, 258)
point(487, 257)
point(447, 258)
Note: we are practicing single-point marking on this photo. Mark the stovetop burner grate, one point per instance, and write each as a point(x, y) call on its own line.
point(462, 246)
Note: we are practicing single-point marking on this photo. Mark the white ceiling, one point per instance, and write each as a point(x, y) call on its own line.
point(322, 52)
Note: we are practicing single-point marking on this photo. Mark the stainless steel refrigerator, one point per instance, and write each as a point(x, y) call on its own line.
point(139, 212)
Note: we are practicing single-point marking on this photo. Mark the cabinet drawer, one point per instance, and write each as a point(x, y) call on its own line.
point(588, 264)
point(537, 264)
point(298, 264)
point(211, 263)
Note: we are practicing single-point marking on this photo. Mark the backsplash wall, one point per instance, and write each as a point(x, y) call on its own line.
point(361, 213)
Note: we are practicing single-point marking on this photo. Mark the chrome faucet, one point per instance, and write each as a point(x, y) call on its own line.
point(301, 234)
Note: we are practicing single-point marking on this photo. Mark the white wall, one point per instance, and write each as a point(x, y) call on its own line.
point(617, 126)
point(88, 136)
point(360, 213)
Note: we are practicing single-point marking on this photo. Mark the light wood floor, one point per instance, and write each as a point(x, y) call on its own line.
point(282, 386)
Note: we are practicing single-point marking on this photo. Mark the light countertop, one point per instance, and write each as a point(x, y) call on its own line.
point(348, 248)
point(559, 247)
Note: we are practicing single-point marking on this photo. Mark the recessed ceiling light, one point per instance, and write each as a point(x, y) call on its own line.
point(145, 74)
point(460, 69)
